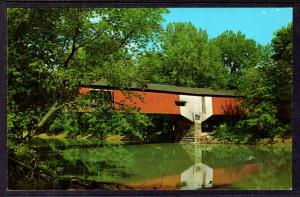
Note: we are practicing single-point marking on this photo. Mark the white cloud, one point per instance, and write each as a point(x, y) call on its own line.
point(263, 12)
point(274, 10)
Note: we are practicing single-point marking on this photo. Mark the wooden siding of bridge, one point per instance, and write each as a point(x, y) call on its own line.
point(225, 105)
point(150, 102)
point(164, 103)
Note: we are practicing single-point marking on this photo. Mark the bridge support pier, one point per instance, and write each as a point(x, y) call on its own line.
point(192, 134)
point(197, 130)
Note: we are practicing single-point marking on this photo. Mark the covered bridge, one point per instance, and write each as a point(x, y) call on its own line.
point(193, 104)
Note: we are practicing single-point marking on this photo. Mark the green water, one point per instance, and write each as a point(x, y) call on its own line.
point(178, 166)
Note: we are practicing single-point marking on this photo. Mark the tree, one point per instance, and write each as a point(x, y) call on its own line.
point(237, 53)
point(282, 44)
point(186, 58)
point(282, 72)
point(267, 89)
point(51, 53)
point(49, 60)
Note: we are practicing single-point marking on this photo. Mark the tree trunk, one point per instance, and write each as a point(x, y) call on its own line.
point(47, 118)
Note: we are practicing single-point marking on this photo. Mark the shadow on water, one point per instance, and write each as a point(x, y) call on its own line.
point(181, 166)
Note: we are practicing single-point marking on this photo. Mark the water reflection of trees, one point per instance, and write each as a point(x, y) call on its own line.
point(148, 162)
point(97, 163)
point(275, 170)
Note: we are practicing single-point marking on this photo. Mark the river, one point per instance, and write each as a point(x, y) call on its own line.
point(182, 166)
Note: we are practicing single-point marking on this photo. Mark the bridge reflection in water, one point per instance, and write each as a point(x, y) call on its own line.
point(202, 173)
point(198, 176)
point(182, 166)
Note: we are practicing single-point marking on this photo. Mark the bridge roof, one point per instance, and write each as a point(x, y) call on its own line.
point(151, 87)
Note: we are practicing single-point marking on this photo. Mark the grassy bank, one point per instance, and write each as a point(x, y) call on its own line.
point(208, 138)
point(63, 140)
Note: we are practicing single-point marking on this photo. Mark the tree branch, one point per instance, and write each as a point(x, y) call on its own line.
point(94, 37)
point(49, 115)
point(73, 50)
point(127, 37)
point(44, 176)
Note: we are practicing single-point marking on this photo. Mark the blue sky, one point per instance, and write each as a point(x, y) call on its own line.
point(256, 23)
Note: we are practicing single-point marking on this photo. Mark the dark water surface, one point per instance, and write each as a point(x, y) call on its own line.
point(182, 166)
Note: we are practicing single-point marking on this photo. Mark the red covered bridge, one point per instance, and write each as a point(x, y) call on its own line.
point(194, 104)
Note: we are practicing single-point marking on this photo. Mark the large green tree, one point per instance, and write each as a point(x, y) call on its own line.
point(282, 72)
point(51, 53)
point(266, 90)
point(54, 51)
point(186, 58)
point(237, 53)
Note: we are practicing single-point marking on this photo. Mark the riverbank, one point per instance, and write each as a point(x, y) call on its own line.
point(203, 138)
point(208, 138)
point(80, 139)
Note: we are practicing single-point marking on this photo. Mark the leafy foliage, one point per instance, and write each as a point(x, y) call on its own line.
point(49, 61)
point(266, 92)
point(237, 53)
point(186, 58)
point(52, 52)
